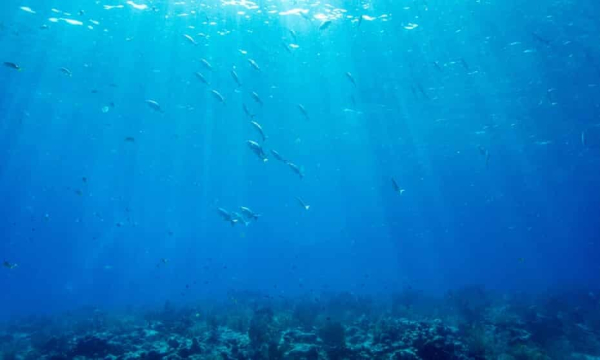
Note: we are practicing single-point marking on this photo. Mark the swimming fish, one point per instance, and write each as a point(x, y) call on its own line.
point(239, 218)
point(258, 150)
point(202, 78)
point(249, 213)
point(8, 265)
point(396, 187)
point(206, 64)
point(257, 98)
point(259, 129)
point(247, 111)
point(286, 47)
point(66, 71)
point(190, 39)
point(325, 25)
point(351, 78)
point(484, 152)
point(218, 96)
point(583, 138)
point(130, 139)
point(303, 111)
point(293, 33)
point(154, 106)
point(296, 169)
point(12, 66)
point(227, 216)
point(302, 203)
point(236, 78)
point(254, 64)
point(278, 156)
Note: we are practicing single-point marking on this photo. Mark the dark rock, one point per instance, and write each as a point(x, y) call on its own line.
point(174, 344)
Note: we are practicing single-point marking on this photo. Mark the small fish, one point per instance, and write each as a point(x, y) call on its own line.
point(254, 64)
point(9, 266)
point(164, 261)
point(201, 78)
point(464, 63)
point(257, 98)
point(286, 47)
point(485, 153)
point(296, 169)
point(351, 78)
point(258, 150)
point(12, 66)
point(227, 216)
point(154, 106)
point(303, 111)
point(247, 112)
point(218, 96)
point(259, 129)
point(325, 25)
point(396, 187)
point(190, 39)
point(583, 138)
point(278, 156)
point(206, 64)
point(239, 218)
point(236, 78)
point(249, 213)
point(66, 71)
point(437, 66)
point(130, 139)
point(293, 34)
point(302, 203)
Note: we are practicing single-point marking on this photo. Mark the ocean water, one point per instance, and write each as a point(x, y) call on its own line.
point(427, 147)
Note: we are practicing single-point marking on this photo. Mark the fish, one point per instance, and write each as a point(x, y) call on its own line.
point(154, 106)
point(296, 169)
point(254, 64)
point(130, 139)
point(302, 203)
point(247, 112)
point(325, 25)
point(218, 96)
point(201, 78)
point(278, 156)
point(303, 111)
point(293, 34)
point(227, 216)
point(249, 213)
point(236, 78)
point(190, 39)
point(9, 266)
point(396, 187)
point(206, 64)
point(12, 66)
point(286, 47)
point(66, 71)
point(258, 150)
point(259, 129)
point(485, 153)
point(583, 138)
point(351, 78)
point(464, 63)
point(257, 98)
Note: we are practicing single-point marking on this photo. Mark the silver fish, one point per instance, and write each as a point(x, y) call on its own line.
point(12, 66)
point(254, 64)
point(303, 111)
point(583, 138)
point(325, 25)
point(351, 78)
point(258, 150)
point(190, 39)
point(154, 106)
point(296, 169)
point(218, 96)
point(302, 203)
point(278, 156)
point(247, 112)
point(66, 71)
point(202, 78)
point(249, 213)
point(293, 33)
point(257, 98)
point(396, 187)
point(236, 78)
point(259, 129)
point(227, 216)
point(206, 64)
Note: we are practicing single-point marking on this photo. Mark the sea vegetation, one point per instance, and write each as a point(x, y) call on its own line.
point(466, 324)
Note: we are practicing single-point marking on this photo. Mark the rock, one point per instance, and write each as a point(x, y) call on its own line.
point(404, 355)
point(302, 352)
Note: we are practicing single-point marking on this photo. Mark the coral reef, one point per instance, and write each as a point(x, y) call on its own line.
point(467, 324)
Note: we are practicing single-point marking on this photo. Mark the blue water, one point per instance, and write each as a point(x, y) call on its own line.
point(518, 82)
